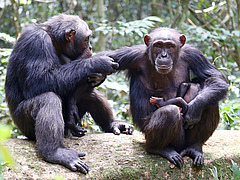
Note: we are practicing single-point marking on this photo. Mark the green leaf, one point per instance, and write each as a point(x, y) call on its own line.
point(230, 119)
point(4, 132)
point(235, 169)
point(154, 18)
point(101, 28)
point(7, 158)
point(214, 173)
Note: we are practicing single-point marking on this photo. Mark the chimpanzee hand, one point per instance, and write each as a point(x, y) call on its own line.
point(192, 116)
point(95, 79)
point(104, 65)
point(122, 127)
point(159, 102)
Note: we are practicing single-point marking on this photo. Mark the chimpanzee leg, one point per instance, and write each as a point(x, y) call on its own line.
point(99, 108)
point(44, 113)
point(72, 117)
point(183, 89)
point(164, 132)
point(200, 133)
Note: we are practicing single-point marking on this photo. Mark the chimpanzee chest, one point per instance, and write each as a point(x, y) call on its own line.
point(165, 85)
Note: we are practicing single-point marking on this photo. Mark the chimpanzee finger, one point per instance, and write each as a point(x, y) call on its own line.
point(81, 166)
point(116, 131)
point(129, 129)
point(81, 154)
point(199, 160)
point(115, 65)
point(83, 130)
point(185, 125)
point(96, 77)
point(177, 160)
point(191, 126)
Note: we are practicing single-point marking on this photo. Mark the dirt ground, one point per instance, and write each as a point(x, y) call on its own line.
point(123, 157)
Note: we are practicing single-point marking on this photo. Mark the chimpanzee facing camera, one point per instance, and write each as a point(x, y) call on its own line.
point(158, 69)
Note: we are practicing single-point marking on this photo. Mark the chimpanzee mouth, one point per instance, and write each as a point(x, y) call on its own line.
point(163, 69)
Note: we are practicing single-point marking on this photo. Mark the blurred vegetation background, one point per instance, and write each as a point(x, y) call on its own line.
point(212, 26)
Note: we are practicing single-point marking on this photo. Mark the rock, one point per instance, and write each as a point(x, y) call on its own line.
point(123, 156)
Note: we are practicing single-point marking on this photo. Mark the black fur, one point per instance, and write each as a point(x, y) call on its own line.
point(50, 71)
point(167, 132)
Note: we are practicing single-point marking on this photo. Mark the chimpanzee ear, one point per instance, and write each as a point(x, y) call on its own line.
point(182, 39)
point(147, 39)
point(70, 34)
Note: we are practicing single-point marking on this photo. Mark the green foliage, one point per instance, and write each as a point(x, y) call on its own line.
point(215, 173)
point(5, 157)
point(4, 54)
point(138, 26)
point(58, 178)
point(230, 114)
point(234, 168)
point(7, 38)
point(132, 31)
point(216, 46)
point(116, 90)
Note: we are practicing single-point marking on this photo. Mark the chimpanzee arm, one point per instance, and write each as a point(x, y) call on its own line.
point(40, 70)
point(139, 102)
point(214, 85)
point(127, 57)
point(64, 79)
point(178, 101)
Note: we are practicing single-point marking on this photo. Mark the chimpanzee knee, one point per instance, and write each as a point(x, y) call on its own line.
point(35, 113)
point(163, 117)
point(164, 126)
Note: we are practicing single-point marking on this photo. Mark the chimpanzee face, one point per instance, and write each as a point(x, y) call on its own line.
point(164, 47)
point(70, 36)
point(79, 42)
point(87, 47)
point(164, 53)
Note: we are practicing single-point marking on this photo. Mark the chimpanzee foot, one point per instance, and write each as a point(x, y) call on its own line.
point(68, 158)
point(78, 132)
point(169, 154)
point(198, 159)
point(122, 127)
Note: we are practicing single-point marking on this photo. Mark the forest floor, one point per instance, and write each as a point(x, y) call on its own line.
point(123, 157)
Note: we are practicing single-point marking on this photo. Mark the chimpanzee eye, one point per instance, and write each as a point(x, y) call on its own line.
point(87, 39)
point(158, 45)
point(170, 46)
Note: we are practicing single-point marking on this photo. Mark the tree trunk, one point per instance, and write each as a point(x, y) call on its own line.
point(154, 8)
point(184, 14)
point(15, 17)
point(101, 44)
point(238, 11)
point(236, 54)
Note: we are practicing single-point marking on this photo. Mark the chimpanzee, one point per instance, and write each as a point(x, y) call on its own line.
point(51, 64)
point(158, 69)
point(186, 93)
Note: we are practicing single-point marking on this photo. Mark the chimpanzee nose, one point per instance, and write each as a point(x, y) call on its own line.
point(164, 54)
point(90, 47)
